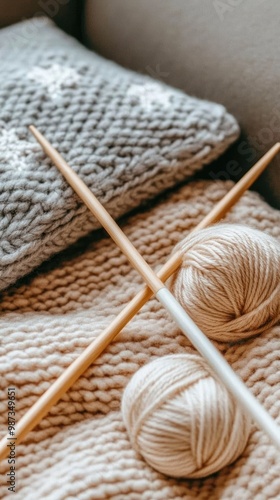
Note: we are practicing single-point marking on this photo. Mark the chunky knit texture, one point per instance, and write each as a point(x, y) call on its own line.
point(81, 449)
point(126, 135)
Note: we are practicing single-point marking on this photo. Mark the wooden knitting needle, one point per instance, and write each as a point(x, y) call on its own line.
point(199, 340)
point(42, 406)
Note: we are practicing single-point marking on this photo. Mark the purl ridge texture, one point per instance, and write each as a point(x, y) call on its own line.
point(128, 136)
point(81, 449)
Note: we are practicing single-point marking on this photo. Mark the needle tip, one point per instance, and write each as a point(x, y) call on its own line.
point(36, 133)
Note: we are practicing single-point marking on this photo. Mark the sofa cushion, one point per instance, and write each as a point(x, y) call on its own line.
point(127, 136)
point(225, 50)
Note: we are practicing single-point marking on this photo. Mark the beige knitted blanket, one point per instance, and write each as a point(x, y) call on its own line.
point(81, 451)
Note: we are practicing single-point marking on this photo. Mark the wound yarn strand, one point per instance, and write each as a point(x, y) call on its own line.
point(181, 419)
point(229, 281)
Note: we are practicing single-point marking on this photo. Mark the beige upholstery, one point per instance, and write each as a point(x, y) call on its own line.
point(226, 51)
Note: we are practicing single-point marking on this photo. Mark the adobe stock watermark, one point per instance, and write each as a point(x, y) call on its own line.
point(151, 94)
point(11, 445)
point(29, 30)
point(250, 150)
point(157, 73)
point(225, 7)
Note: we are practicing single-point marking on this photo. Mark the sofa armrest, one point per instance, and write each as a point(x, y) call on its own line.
point(225, 51)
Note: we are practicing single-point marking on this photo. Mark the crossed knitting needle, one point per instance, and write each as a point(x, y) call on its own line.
point(155, 285)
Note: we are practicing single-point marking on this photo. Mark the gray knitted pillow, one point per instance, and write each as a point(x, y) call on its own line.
point(128, 136)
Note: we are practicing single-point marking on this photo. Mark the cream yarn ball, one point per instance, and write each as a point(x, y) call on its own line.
point(229, 281)
point(181, 419)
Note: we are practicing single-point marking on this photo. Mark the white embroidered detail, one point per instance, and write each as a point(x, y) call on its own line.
point(150, 95)
point(54, 78)
point(14, 151)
